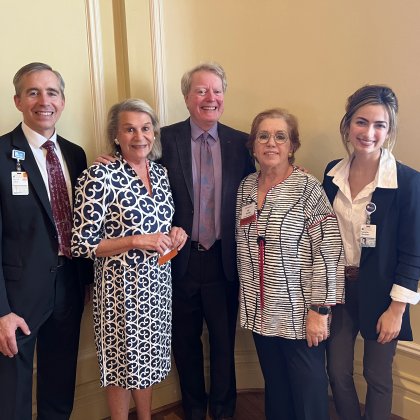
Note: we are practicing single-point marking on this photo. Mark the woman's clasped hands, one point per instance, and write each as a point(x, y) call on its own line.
point(162, 242)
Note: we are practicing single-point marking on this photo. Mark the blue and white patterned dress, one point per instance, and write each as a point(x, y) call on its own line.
point(132, 293)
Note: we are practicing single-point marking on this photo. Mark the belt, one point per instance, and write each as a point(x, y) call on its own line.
point(198, 247)
point(351, 272)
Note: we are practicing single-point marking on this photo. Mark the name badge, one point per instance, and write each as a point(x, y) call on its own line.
point(20, 183)
point(368, 236)
point(247, 214)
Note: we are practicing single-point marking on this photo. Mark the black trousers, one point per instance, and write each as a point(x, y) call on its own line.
point(57, 342)
point(296, 384)
point(205, 294)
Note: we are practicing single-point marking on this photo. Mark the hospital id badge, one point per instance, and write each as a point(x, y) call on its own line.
point(368, 236)
point(20, 183)
point(247, 214)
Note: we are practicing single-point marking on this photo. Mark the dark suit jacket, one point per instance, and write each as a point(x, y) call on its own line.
point(29, 246)
point(236, 164)
point(396, 257)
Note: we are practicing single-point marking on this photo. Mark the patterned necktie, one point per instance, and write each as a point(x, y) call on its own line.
point(206, 230)
point(60, 203)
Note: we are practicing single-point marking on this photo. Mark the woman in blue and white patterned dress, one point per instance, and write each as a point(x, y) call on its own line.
point(122, 219)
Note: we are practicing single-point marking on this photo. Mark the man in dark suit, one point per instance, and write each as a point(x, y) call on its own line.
point(41, 287)
point(204, 275)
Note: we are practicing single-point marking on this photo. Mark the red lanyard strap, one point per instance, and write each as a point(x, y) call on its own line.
point(261, 251)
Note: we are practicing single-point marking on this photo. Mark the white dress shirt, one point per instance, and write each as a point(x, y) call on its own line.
point(351, 213)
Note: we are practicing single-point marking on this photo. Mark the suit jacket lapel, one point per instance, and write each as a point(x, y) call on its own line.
point(227, 166)
point(383, 199)
point(330, 189)
point(67, 155)
point(70, 162)
point(30, 166)
point(183, 141)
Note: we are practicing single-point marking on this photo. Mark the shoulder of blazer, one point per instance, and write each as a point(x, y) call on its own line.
point(175, 128)
point(74, 156)
point(226, 131)
point(68, 145)
point(406, 173)
point(408, 184)
point(9, 138)
point(329, 187)
point(331, 165)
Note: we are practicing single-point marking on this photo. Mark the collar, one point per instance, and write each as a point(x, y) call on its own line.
point(196, 131)
point(386, 176)
point(35, 139)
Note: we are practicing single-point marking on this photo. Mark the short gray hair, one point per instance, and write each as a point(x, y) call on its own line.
point(211, 67)
point(34, 67)
point(133, 105)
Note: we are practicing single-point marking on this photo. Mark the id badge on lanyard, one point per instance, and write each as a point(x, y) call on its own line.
point(20, 184)
point(367, 230)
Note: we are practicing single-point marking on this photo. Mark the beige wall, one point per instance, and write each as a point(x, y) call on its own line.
point(305, 56)
point(53, 32)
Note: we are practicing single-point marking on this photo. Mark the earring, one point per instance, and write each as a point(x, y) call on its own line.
point(116, 142)
point(290, 154)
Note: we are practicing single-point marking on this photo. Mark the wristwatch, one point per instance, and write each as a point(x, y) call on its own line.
point(322, 310)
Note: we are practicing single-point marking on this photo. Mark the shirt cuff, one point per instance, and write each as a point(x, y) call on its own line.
point(402, 294)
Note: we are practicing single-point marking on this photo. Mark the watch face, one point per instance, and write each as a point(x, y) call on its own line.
point(322, 310)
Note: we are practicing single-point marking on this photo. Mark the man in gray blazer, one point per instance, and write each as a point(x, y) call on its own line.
point(205, 279)
point(41, 286)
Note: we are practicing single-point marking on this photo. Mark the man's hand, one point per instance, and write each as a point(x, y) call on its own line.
point(105, 159)
point(178, 236)
point(8, 325)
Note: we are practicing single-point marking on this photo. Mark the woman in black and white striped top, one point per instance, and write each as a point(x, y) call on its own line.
point(291, 270)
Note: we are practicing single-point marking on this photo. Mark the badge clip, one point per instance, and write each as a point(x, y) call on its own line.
point(18, 155)
point(370, 208)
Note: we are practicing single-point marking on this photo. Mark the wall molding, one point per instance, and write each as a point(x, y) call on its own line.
point(96, 66)
point(158, 60)
point(409, 348)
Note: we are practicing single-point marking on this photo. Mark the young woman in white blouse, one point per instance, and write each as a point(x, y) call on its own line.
point(376, 200)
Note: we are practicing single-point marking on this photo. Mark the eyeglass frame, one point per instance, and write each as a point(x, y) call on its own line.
point(270, 135)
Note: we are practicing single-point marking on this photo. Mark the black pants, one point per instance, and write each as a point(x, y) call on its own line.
point(296, 384)
point(57, 342)
point(205, 294)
